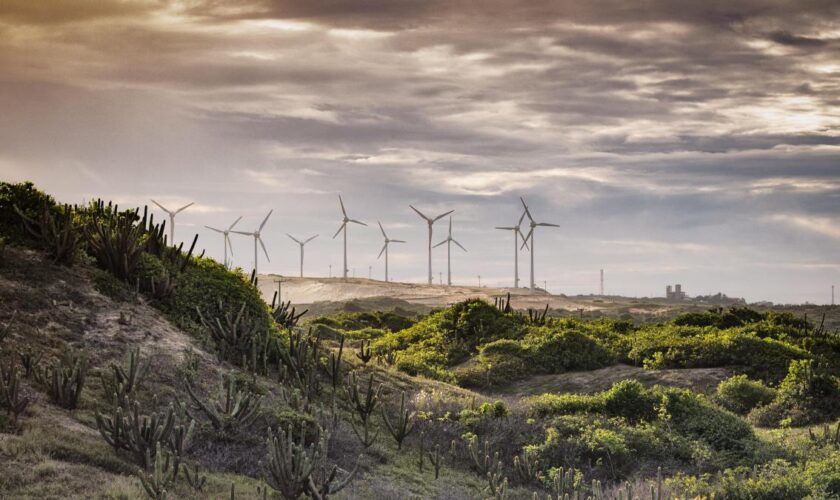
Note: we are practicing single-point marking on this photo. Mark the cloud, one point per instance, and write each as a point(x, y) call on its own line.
point(824, 226)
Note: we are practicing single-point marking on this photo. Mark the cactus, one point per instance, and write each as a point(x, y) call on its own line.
point(291, 463)
point(29, 361)
point(322, 481)
point(10, 397)
point(194, 478)
point(527, 470)
point(537, 317)
point(362, 403)
point(333, 366)
point(239, 341)
point(388, 358)
point(4, 332)
point(496, 482)
point(404, 424)
point(161, 477)
point(128, 377)
point(503, 303)
point(237, 409)
point(481, 461)
point(284, 316)
point(64, 379)
point(57, 230)
point(300, 362)
point(422, 449)
point(365, 354)
point(116, 242)
point(828, 436)
point(436, 459)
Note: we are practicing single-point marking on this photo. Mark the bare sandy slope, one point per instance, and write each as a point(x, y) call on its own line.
point(313, 290)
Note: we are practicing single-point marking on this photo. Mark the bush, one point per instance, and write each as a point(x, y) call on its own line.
point(823, 476)
point(29, 200)
point(551, 350)
point(807, 395)
point(630, 400)
point(739, 394)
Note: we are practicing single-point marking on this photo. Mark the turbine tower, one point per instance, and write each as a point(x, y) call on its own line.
point(516, 234)
point(258, 239)
point(343, 229)
point(430, 222)
point(301, 243)
point(530, 236)
point(449, 240)
point(226, 238)
point(172, 219)
point(385, 248)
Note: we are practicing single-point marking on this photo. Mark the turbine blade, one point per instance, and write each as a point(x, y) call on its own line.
point(266, 219)
point(521, 217)
point(547, 224)
point(419, 213)
point(441, 216)
point(450, 227)
point(235, 222)
point(339, 229)
point(343, 211)
point(185, 207)
point(383, 250)
point(357, 222)
point(243, 232)
point(505, 228)
point(214, 229)
point(527, 212)
point(396, 241)
point(161, 207)
point(229, 244)
point(310, 239)
point(263, 247)
point(294, 239)
point(381, 229)
point(524, 241)
point(441, 243)
point(462, 247)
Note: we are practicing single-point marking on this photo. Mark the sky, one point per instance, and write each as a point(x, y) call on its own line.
point(673, 142)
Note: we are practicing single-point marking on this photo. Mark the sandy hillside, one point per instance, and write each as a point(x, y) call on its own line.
point(312, 290)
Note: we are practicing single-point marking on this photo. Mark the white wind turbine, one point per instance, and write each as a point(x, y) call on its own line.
point(530, 235)
point(516, 234)
point(449, 240)
point(172, 219)
point(226, 239)
point(301, 243)
point(385, 248)
point(430, 222)
point(343, 228)
point(257, 239)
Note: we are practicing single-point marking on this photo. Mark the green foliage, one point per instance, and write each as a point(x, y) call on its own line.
point(284, 314)
point(28, 200)
point(822, 475)
point(740, 395)
point(808, 394)
point(627, 399)
point(556, 351)
point(64, 379)
point(379, 321)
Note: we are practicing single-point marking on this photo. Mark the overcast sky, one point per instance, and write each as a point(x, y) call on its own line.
point(673, 142)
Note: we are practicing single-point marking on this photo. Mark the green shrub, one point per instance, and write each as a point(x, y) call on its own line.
point(630, 400)
point(379, 320)
point(496, 409)
point(807, 395)
point(823, 476)
point(551, 350)
point(739, 394)
point(564, 404)
point(29, 200)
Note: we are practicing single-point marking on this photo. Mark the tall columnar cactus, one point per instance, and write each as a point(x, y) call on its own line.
point(284, 314)
point(363, 403)
point(300, 362)
point(436, 459)
point(57, 230)
point(503, 304)
point(64, 379)
point(527, 469)
point(162, 475)
point(29, 361)
point(238, 340)
point(323, 481)
point(291, 462)
point(116, 241)
point(333, 366)
point(128, 376)
point(194, 478)
point(5, 330)
point(235, 410)
point(402, 426)
point(10, 396)
point(365, 353)
point(537, 317)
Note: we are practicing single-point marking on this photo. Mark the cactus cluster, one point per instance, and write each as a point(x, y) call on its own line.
point(115, 240)
point(239, 341)
point(57, 230)
point(503, 303)
point(4, 331)
point(362, 401)
point(10, 395)
point(403, 425)
point(300, 362)
point(284, 314)
point(235, 409)
point(127, 377)
point(64, 379)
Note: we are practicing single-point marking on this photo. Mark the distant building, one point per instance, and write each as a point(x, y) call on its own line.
point(674, 293)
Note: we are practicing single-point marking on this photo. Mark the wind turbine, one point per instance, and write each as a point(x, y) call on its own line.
point(257, 239)
point(449, 240)
point(430, 221)
point(226, 236)
point(530, 235)
point(516, 234)
point(172, 219)
point(301, 243)
point(385, 248)
point(343, 229)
